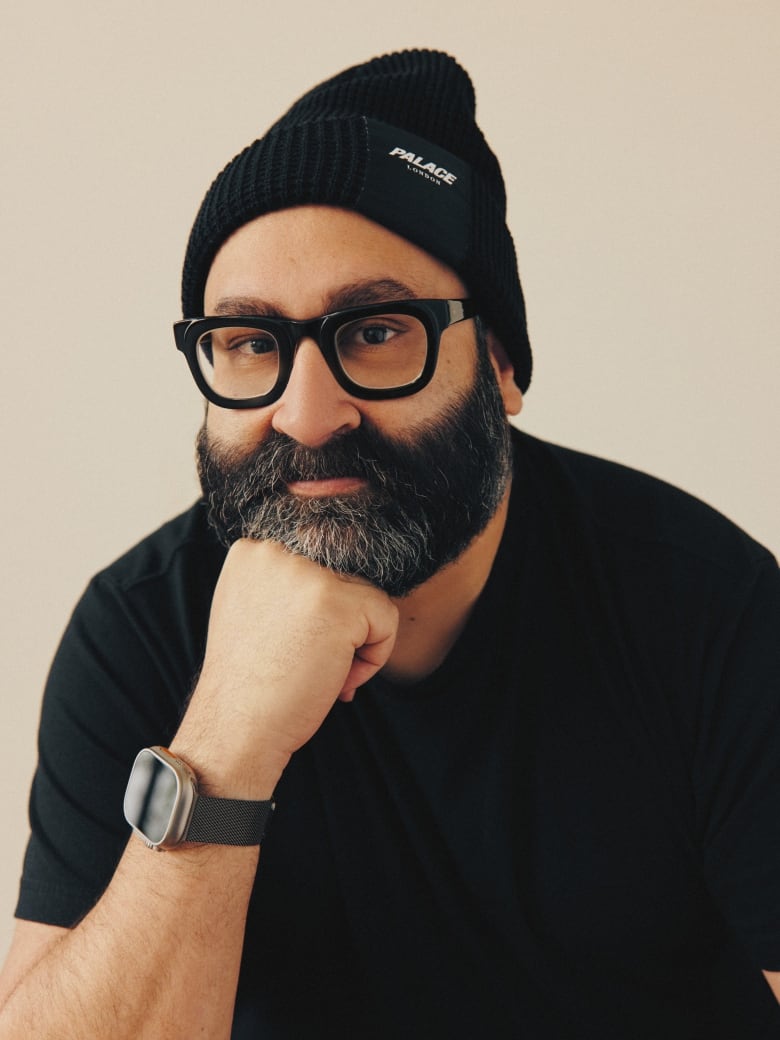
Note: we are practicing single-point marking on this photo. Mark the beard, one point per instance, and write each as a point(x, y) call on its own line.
point(425, 499)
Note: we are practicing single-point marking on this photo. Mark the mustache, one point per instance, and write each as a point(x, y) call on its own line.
point(280, 460)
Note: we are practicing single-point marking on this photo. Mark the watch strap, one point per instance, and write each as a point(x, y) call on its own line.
point(228, 821)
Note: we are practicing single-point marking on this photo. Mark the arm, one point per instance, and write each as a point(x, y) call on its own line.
point(158, 955)
point(160, 952)
point(30, 942)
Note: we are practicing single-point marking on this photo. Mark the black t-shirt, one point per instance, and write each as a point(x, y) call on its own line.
point(569, 830)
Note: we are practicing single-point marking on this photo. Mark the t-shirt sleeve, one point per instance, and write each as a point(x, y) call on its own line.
point(737, 771)
point(113, 687)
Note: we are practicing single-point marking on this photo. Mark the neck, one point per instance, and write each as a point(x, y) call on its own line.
point(434, 615)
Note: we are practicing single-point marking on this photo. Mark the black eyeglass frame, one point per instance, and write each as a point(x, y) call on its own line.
point(435, 316)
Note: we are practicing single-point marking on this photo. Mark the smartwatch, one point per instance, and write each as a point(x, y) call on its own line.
point(163, 806)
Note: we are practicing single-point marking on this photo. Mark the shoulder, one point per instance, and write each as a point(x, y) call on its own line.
point(157, 593)
point(185, 543)
point(137, 633)
point(634, 512)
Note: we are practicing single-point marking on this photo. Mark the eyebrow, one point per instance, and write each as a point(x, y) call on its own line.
point(353, 294)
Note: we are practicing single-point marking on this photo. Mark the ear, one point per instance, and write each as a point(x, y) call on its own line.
point(505, 375)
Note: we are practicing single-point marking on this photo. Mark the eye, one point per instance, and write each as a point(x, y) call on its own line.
point(239, 347)
point(252, 345)
point(376, 331)
point(373, 335)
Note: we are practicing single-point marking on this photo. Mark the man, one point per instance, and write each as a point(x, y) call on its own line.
point(516, 708)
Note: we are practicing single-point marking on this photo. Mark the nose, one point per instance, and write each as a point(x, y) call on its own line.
point(314, 408)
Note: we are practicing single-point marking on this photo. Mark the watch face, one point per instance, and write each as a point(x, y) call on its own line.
point(157, 802)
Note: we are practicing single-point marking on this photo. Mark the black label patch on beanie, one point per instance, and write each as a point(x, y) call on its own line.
point(418, 190)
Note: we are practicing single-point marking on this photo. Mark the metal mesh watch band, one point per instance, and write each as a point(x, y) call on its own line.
point(227, 821)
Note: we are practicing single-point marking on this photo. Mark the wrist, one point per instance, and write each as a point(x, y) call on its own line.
point(223, 740)
point(224, 773)
point(166, 807)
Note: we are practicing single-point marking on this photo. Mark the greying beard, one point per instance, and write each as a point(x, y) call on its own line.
point(350, 534)
point(426, 497)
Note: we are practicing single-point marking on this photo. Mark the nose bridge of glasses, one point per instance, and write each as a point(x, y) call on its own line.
point(311, 328)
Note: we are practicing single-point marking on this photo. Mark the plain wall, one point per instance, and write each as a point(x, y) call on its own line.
point(640, 148)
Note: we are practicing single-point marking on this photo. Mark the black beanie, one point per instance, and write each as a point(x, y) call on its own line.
point(396, 140)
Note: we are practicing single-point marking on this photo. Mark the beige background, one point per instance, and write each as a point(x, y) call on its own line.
point(640, 146)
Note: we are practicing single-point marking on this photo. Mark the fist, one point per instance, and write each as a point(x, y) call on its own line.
point(286, 639)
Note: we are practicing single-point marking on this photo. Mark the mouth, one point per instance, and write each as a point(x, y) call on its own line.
point(326, 487)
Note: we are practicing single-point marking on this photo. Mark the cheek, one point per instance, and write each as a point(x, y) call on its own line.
point(238, 428)
point(454, 378)
point(455, 374)
point(456, 369)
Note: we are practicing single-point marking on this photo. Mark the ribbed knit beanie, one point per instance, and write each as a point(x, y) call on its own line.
point(394, 139)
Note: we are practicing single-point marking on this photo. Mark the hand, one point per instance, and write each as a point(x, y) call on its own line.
point(286, 639)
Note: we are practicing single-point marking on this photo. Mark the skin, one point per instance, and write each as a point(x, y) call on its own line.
point(257, 701)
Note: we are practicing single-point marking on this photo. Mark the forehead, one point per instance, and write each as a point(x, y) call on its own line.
point(299, 260)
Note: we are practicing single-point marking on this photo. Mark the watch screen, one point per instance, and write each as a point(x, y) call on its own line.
point(151, 796)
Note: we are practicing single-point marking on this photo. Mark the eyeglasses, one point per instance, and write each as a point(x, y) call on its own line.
point(380, 351)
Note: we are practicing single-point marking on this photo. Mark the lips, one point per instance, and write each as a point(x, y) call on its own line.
point(326, 486)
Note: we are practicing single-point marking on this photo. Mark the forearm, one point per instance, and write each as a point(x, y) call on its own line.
point(159, 955)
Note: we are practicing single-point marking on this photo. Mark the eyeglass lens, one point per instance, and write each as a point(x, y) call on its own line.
point(380, 352)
